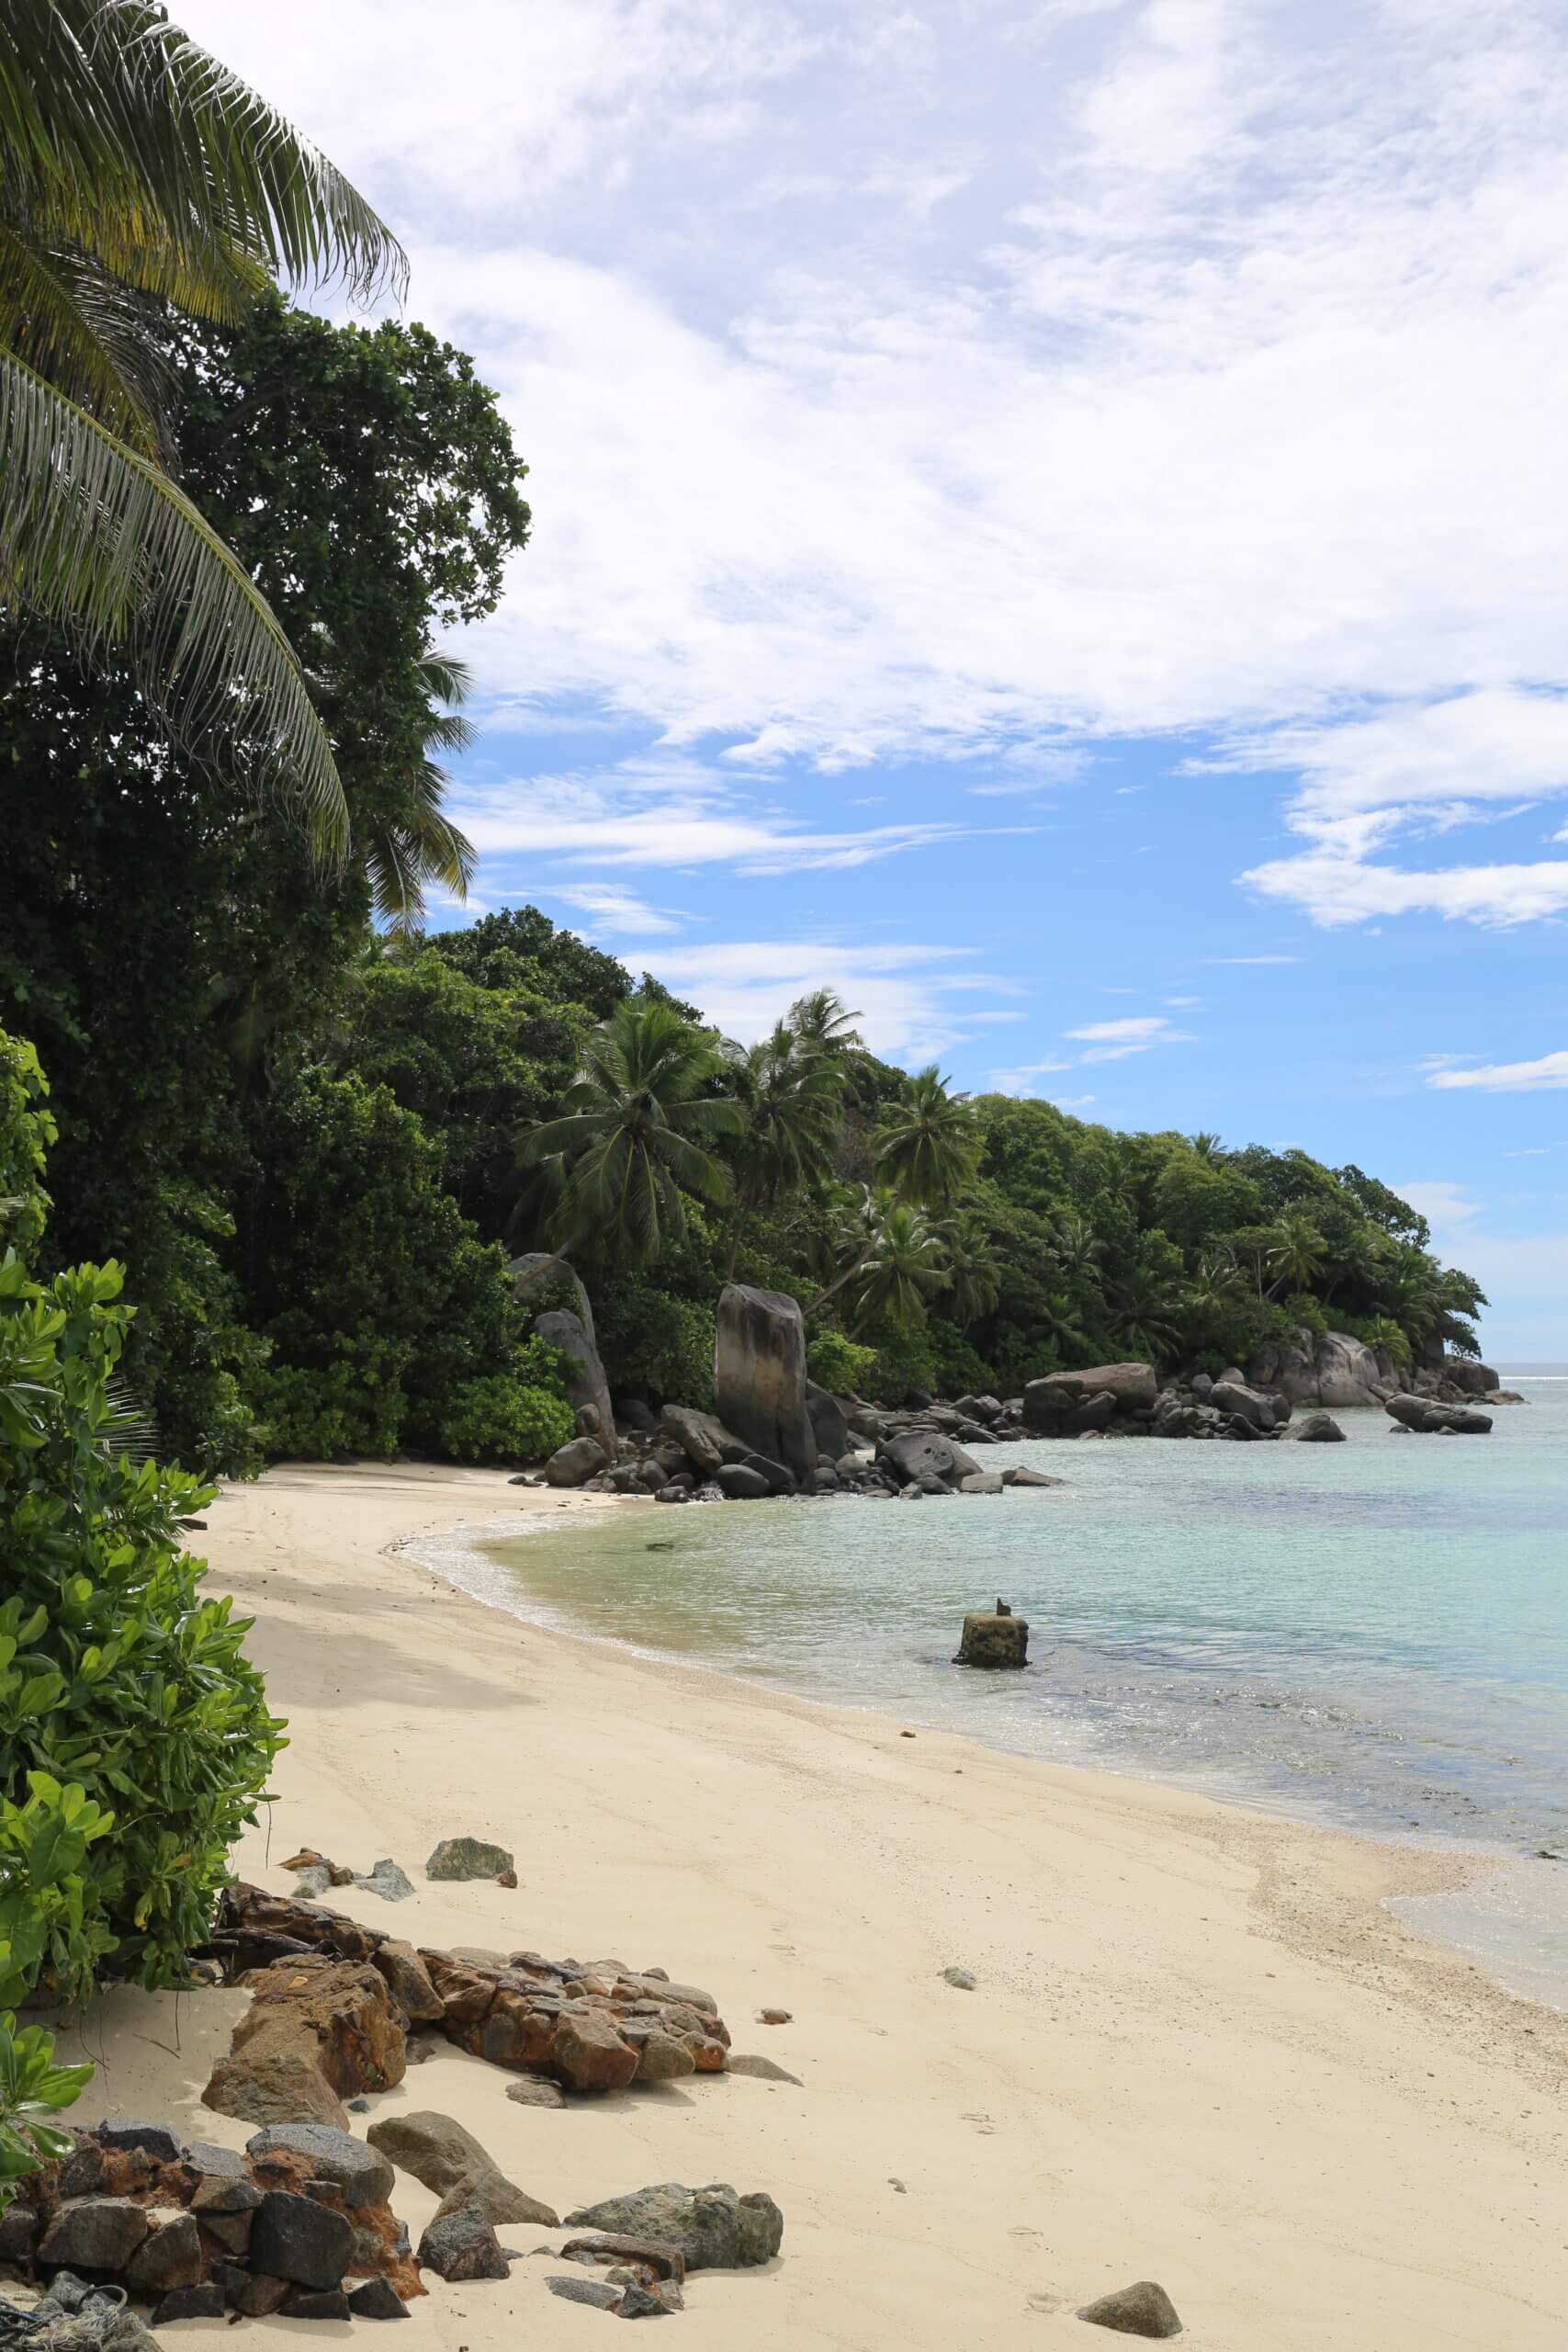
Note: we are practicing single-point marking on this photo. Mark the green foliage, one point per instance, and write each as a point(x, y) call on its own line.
point(655, 1344)
point(120, 1684)
point(44, 1927)
point(837, 1364)
point(502, 1418)
point(25, 1132)
point(906, 1359)
point(32, 2088)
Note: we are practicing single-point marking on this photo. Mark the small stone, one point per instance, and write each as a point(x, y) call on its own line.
point(298, 2239)
point(1142, 2308)
point(651, 2255)
point(313, 1879)
point(154, 2140)
point(317, 2303)
point(535, 2090)
point(603, 2297)
point(359, 2106)
point(256, 2294)
point(774, 2017)
point(378, 2299)
point(507, 1878)
point(766, 2070)
point(640, 2302)
point(462, 2245)
point(960, 1979)
point(385, 1879)
point(189, 2303)
point(215, 2163)
point(218, 2196)
point(468, 1858)
point(498, 2200)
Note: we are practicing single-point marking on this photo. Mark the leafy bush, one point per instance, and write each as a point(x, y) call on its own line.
point(960, 1371)
point(320, 1416)
point(27, 1130)
point(904, 1360)
point(838, 1363)
point(118, 1678)
point(500, 1418)
point(32, 2087)
point(659, 1345)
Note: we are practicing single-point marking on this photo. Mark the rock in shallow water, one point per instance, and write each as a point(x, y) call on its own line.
point(993, 1641)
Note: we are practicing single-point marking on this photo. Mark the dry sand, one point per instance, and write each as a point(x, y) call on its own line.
point(1199, 2051)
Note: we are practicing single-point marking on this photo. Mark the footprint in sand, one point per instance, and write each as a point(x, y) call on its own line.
point(981, 2121)
point(1047, 2302)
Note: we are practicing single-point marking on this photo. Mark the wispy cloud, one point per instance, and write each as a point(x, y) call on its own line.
point(612, 909)
point(1551, 1071)
point(1113, 1041)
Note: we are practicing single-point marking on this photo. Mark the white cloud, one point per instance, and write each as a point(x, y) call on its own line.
point(612, 909)
point(1509, 1078)
point(1252, 959)
point(831, 459)
point(1113, 1041)
point(1024, 1078)
point(1444, 1205)
point(903, 996)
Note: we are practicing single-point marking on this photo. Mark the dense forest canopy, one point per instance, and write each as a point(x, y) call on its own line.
point(314, 1134)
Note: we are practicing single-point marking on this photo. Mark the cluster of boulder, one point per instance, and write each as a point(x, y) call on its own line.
point(299, 2224)
point(335, 2002)
point(773, 1432)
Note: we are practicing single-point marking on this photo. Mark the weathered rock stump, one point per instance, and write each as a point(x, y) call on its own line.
point(994, 1638)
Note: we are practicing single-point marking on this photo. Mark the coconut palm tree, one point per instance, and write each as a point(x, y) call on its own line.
point(419, 848)
point(1144, 1315)
point(974, 1280)
point(1077, 1248)
point(792, 1096)
point(906, 1267)
point(135, 170)
point(927, 1145)
point(633, 1134)
point(1296, 1250)
point(823, 1020)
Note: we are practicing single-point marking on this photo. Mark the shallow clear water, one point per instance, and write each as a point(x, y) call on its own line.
point(1375, 1634)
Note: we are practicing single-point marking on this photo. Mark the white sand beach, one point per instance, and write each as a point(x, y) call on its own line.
point(1199, 2050)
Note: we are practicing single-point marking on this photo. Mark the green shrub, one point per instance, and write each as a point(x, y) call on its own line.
point(354, 1405)
point(500, 1418)
point(27, 1130)
point(904, 1360)
point(838, 1365)
point(119, 1678)
point(659, 1345)
point(960, 1370)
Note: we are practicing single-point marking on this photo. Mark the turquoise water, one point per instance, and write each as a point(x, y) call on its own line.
point(1374, 1634)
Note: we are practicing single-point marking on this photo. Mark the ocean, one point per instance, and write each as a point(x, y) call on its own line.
point(1373, 1634)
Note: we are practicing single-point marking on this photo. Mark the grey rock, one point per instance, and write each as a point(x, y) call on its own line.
point(1425, 1415)
point(596, 2292)
point(829, 1426)
point(223, 2194)
point(1130, 1386)
point(583, 1376)
point(1315, 1429)
point(638, 2301)
point(299, 2239)
point(364, 2174)
point(701, 1438)
point(1142, 2308)
point(442, 2154)
point(962, 1979)
point(256, 2294)
point(1250, 1404)
point(534, 2090)
point(1323, 1368)
point(742, 1484)
point(927, 1454)
point(461, 2245)
point(408, 1981)
point(169, 2257)
point(636, 1413)
point(313, 1878)
point(190, 2302)
point(982, 1482)
point(94, 2233)
point(759, 1375)
point(460, 1858)
point(715, 2228)
point(498, 2199)
point(154, 2140)
point(387, 1880)
point(1018, 1476)
point(19, 2228)
point(378, 2299)
point(316, 2302)
point(652, 2254)
point(766, 2070)
point(573, 1464)
point(679, 1490)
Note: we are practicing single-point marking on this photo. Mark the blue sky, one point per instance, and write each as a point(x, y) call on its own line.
point(1049, 518)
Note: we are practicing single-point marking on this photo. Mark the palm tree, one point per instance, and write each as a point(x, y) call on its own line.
point(928, 1145)
point(792, 1096)
point(974, 1280)
point(1295, 1253)
point(136, 170)
point(1077, 1248)
point(905, 1268)
point(632, 1136)
point(1207, 1146)
point(1144, 1314)
point(418, 848)
point(823, 1020)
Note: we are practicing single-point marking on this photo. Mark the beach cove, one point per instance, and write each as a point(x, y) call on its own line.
point(1199, 2048)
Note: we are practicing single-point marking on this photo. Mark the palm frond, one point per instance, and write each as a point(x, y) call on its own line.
point(79, 328)
point(93, 536)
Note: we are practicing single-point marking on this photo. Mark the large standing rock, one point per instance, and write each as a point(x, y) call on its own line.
point(1234, 1397)
point(583, 1375)
point(994, 1640)
point(759, 1375)
point(714, 2228)
point(332, 2021)
point(1474, 1379)
point(829, 1426)
point(1048, 1401)
point(1317, 1429)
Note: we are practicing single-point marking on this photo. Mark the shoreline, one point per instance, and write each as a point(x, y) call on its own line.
point(1200, 2049)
